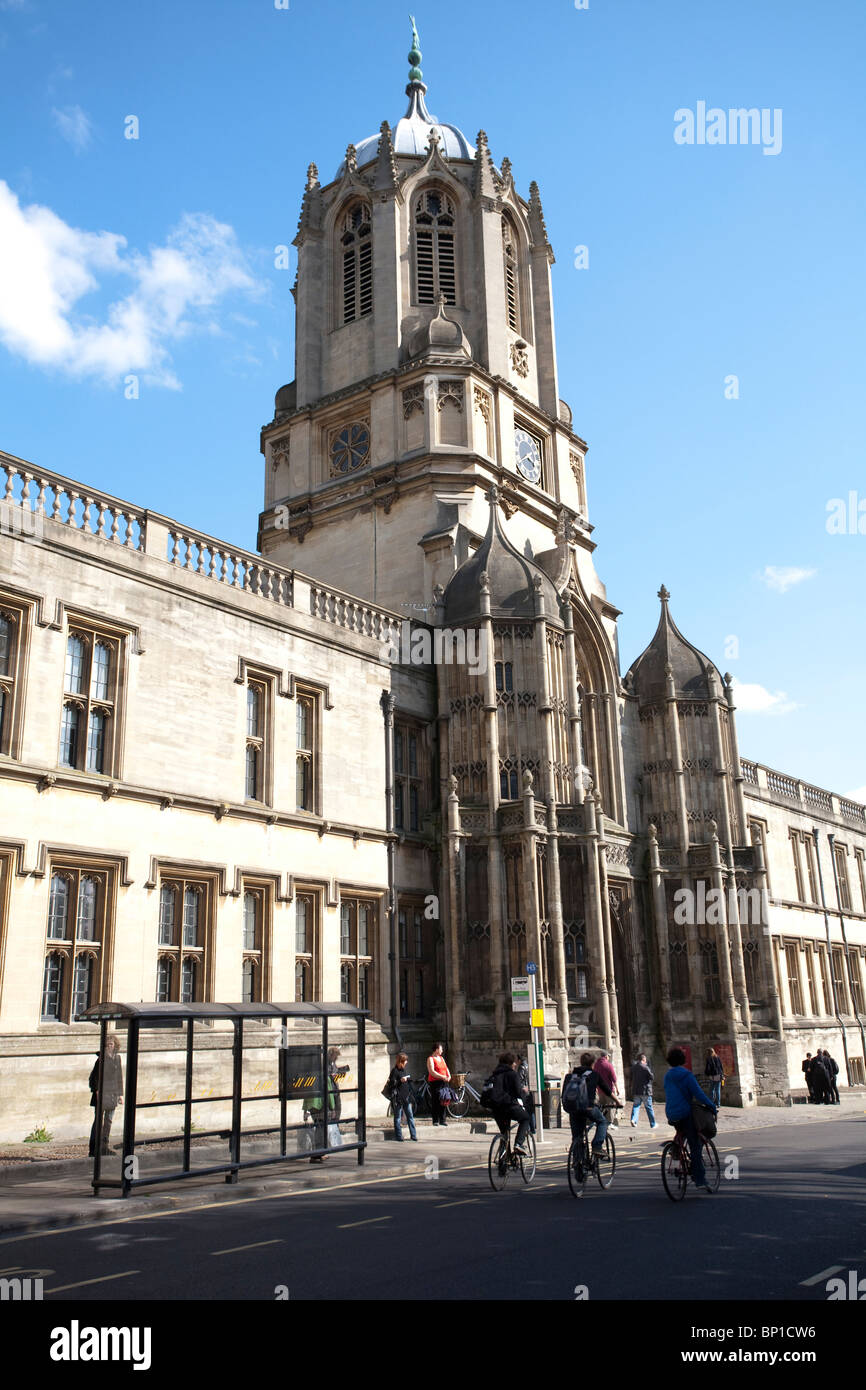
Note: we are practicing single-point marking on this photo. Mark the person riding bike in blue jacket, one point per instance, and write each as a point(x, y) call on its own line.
point(681, 1089)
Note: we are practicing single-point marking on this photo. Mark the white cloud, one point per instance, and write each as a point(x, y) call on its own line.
point(782, 578)
point(74, 125)
point(859, 795)
point(47, 267)
point(756, 699)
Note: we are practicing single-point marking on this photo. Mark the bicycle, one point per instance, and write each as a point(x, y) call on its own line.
point(420, 1101)
point(465, 1096)
point(677, 1166)
point(503, 1158)
point(584, 1161)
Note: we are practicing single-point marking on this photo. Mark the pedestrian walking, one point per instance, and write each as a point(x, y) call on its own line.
point(112, 1092)
point(832, 1069)
point(438, 1076)
point(402, 1098)
point(715, 1074)
point(642, 1091)
point(604, 1070)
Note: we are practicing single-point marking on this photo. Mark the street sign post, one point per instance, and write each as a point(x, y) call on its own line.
point(536, 1018)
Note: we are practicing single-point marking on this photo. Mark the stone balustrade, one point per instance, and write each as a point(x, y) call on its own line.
point(353, 614)
point(47, 495)
point(196, 553)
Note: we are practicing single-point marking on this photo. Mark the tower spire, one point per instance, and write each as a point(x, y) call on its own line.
point(415, 73)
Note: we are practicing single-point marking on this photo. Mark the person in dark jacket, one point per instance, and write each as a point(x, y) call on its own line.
point(402, 1098)
point(807, 1075)
point(832, 1069)
point(819, 1080)
point(507, 1104)
point(112, 1092)
point(526, 1096)
point(642, 1091)
point(596, 1087)
point(715, 1074)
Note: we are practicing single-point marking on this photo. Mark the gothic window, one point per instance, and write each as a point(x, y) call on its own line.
point(504, 676)
point(861, 874)
point(182, 939)
point(408, 779)
point(837, 958)
point(795, 992)
point(10, 629)
point(576, 968)
point(253, 982)
point(512, 274)
point(357, 947)
point(710, 972)
point(356, 242)
point(840, 854)
point(306, 728)
point(307, 947)
point(77, 915)
point(255, 772)
point(349, 448)
point(752, 968)
point(415, 939)
point(435, 270)
point(90, 694)
point(813, 1000)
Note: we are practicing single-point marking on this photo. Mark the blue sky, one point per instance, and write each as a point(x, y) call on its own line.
point(705, 262)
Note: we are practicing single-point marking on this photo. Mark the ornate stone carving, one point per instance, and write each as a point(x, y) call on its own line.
point(450, 391)
point(520, 358)
point(279, 452)
point(483, 404)
point(413, 399)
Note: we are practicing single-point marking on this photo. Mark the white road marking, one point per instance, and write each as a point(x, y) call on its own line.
point(816, 1278)
point(369, 1222)
point(256, 1245)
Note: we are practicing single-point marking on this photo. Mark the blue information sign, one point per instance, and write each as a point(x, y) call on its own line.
point(531, 968)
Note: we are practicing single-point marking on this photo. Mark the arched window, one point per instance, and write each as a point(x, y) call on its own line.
point(82, 985)
point(435, 263)
point(163, 980)
point(166, 915)
point(52, 987)
point(356, 241)
point(512, 274)
point(58, 906)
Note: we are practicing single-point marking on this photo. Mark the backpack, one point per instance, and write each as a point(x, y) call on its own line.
point(499, 1095)
point(486, 1097)
point(575, 1097)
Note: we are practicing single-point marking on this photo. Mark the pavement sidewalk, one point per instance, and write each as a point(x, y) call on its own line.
point(44, 1194)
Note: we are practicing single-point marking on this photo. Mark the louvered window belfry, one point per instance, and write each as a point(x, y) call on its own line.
point(512, 280)
point(357, 242)
point(435, 271)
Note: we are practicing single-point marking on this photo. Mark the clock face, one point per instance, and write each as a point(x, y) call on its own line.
point(527, 452)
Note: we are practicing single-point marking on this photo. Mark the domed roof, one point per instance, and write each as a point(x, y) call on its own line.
point(411, 135)
point(691, 669)
point(512, 579)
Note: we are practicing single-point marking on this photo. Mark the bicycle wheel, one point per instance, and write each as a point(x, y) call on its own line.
point(711, 1164)
point(606, 1163)
point(527, 1165)
point(578, 1168)
point(674, 1171)
point(460, 1107)
point(497, 1163)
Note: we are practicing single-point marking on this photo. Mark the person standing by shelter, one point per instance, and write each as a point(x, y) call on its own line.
point(715, 1074)
point(112, 1092)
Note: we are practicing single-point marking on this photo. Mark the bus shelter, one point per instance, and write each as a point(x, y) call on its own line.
point(302, 1072)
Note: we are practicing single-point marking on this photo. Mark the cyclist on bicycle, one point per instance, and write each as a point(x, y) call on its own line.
point(580, 1118)
point(681, 1089)
point(507, 1104)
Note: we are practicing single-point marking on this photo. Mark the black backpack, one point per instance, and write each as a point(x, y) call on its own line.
point(499, 1095)
point(575, 1097)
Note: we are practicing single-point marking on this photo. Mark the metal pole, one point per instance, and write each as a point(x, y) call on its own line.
point(326, 1091)
point(281, 1058)
point(237, 1083)
point(97, 1112)
point(536, 1051)
point(362, 1088)
point(187, 1106)
point(129, 1109)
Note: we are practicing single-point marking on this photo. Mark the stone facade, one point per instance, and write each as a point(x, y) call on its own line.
point(235, 774)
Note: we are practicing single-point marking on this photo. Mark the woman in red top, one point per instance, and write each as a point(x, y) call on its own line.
point(438, 1076)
